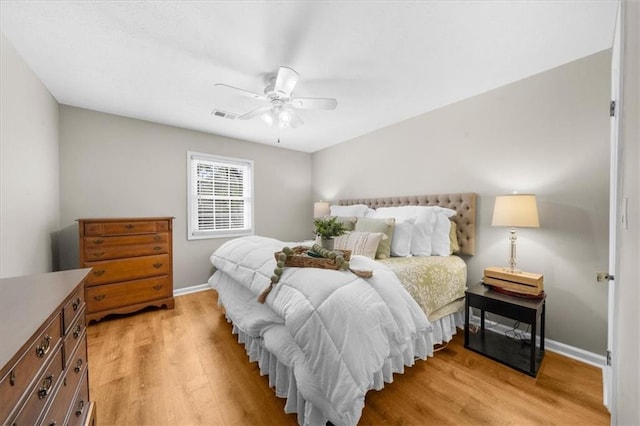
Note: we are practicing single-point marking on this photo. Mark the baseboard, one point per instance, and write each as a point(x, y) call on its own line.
point(192, 289)
point(552, 345)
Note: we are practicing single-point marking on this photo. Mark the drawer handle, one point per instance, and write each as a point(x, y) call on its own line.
point(157, 248)
point(47, 384)
point(43, 348)
point(75, 305)
point(99, 297)
point(80, 409)
point(129, 226)
point(157, 287)
point(98, 241)
point(78, 331)
point(157, 265)
point(98, 272)
point(157, 237)
point(98, 254)
point(12, 378)
point(78, 365)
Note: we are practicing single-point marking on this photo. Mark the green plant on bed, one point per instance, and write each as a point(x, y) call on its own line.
point(328, 228)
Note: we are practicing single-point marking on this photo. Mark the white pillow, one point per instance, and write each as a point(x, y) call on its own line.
point(357, 210)
point(425, 219)
point(360, 243)
point(421, 244)
point(401, 240)
point(446, 211)
point(440, 242)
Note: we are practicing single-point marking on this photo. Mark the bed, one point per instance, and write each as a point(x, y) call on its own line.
point(298, 337)
point(436, 283)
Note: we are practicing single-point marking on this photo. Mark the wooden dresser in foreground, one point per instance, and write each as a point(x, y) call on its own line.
point(132, 261)
point(43, 350)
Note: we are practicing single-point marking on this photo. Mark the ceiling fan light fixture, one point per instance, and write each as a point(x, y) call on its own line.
point(285, 117)
point(268, 117)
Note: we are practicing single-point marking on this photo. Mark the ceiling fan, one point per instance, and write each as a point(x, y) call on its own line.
point(281, 107)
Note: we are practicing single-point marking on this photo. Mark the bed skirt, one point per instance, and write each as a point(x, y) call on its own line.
point(285, 384)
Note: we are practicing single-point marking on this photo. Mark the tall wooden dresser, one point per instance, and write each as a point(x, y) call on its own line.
point(132, 261)
point(43, 350)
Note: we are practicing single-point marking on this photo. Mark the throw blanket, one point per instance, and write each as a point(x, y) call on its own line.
point(346, 326)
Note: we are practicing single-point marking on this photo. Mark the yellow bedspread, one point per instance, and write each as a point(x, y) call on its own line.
point(436, 283)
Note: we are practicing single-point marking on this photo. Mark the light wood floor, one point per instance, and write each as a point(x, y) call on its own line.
point(183, 367)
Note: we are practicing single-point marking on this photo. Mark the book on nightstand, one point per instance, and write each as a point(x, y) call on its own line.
point(526, 283)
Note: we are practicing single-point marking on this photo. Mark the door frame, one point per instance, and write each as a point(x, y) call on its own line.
point(610, 371)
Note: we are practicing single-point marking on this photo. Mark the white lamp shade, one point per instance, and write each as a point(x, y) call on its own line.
point(321, 209)
point(516, 211)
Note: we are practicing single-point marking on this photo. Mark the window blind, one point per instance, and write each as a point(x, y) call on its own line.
point(220, 196)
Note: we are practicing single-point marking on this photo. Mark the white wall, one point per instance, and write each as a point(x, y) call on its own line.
point(548, 135)
point(29, 189)
point(112, 166)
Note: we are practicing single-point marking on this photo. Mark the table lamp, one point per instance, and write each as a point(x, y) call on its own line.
point(321, 209)
point(515, 211)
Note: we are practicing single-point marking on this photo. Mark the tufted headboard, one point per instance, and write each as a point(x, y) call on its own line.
point(464, 204)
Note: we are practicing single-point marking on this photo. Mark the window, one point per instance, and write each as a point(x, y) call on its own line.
point(220, 196)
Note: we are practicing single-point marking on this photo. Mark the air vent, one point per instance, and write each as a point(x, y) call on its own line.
point(224, 114)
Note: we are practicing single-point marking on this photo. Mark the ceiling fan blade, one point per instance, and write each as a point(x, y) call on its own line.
point(254, 113)
point(285, 81)
point(241, 91)
point(314, 103)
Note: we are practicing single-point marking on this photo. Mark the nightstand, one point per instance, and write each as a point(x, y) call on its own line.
point(499, 347)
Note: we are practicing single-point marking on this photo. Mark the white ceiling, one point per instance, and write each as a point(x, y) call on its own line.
point(385, 61)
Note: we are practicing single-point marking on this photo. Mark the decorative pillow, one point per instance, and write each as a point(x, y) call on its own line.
point(440, 242)
point(368, 224)
point(401, 242)
point(348, 222)
point(357, 210)
point(453, 238)
point(362, 243)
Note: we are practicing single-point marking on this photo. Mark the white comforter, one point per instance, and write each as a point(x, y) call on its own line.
point(345, 326)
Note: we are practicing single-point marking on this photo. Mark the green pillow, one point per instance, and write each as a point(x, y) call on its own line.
point(348, 222)
point(369, 224)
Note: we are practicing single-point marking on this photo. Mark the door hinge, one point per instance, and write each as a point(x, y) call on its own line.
point(608, 358)
point(612, 108)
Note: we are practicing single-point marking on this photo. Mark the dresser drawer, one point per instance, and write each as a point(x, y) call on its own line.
point(125, 240)
point(72, 309)
point(125, 227)
point(81, 406)
point(74, 337)
point(116, 252)
point(108, 271)
point(61, 405)
point(42, 349)
point(42, 393)
point(110, 296)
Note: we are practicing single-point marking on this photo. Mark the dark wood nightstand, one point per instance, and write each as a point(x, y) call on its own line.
point(511, 352)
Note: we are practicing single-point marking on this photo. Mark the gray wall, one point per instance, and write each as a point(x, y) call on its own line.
point(112, 166)
point(29, 209)
point(548, 135)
